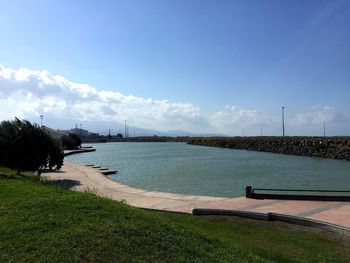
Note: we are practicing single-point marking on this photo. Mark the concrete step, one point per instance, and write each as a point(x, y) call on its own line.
point(106, 172)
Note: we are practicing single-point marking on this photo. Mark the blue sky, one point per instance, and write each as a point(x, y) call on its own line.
point(221, 66)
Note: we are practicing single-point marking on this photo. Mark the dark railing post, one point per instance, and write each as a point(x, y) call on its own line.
point(248, 191)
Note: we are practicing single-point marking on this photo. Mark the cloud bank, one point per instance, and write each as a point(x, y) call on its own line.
point(232, 118)
point(318, 114)
point(28, 93)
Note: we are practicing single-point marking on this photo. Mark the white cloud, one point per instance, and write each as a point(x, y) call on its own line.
point(234, 119)
point(318, 114)
point(26, 93)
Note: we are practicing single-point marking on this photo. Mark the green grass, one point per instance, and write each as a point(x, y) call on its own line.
point(41, 222)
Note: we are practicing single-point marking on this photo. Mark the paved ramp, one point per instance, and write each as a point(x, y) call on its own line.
point(88, 178)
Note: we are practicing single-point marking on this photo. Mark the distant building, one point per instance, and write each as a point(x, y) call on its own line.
point(79, 132)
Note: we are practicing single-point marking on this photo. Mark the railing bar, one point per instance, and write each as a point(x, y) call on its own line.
point(289, 194)
point(299, 190)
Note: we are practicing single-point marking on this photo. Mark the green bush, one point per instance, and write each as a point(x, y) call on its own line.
point(71, 141)
point(56, 156)
point(27, 147)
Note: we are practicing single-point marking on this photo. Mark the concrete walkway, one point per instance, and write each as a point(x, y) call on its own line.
point(83, 178)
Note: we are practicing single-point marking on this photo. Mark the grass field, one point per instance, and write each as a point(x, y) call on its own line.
point(41, 222)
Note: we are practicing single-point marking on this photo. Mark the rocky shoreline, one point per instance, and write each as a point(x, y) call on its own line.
point(326, 147)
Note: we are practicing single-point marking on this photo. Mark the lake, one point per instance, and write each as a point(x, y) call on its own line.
point(190, 169)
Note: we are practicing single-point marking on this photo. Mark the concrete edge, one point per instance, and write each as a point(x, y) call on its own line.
point(222, 212)
point(161, 210)
point(307, 222)
point(70, 152)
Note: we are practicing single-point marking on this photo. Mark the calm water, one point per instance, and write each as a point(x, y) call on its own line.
point(189, 169)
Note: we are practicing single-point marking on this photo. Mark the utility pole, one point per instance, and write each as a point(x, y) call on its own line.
point(324, 128)
point(283, 131)
point(81, 130)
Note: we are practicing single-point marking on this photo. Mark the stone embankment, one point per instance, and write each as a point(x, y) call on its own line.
point(326, 147)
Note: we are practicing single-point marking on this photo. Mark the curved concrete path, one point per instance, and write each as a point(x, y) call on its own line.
point(84, 178)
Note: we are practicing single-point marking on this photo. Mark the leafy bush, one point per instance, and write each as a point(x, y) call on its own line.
point(27, 147)
point(56, 156)
point(71, 141)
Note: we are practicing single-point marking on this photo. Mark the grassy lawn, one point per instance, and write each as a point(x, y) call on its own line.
point(41, 222)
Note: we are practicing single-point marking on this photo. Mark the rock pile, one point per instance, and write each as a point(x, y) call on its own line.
point(326, 147)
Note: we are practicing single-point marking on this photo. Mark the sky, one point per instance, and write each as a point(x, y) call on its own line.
point(217, 67)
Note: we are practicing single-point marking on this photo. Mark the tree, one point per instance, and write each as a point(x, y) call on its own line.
point(27, 147)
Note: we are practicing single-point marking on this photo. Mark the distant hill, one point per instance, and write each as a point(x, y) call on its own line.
point(102, 127)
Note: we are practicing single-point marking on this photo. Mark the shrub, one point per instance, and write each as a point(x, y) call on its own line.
point(27, 147)
point(71, 141)
point(56, 156)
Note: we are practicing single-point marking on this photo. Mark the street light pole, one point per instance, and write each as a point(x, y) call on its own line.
point(125, 135)
point(41, 120)
point(283, 121)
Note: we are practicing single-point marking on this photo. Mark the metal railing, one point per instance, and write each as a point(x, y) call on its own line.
point(298, 194)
